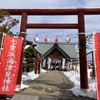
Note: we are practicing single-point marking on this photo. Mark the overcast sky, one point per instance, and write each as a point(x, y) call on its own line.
point(92, 23)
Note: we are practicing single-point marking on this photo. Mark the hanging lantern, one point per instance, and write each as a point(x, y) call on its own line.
point(57, 39)
point(68, 39)
point(36, 39)
point(46, 39)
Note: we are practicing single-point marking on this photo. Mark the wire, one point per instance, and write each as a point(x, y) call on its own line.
point(54, 35)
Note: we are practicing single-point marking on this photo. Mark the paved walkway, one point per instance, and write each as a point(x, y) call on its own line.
point(52, 85)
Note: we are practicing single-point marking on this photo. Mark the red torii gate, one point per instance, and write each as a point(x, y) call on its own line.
point(80, 26)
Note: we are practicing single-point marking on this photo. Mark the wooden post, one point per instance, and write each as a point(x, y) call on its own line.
point(82, 53)
point(36, 64)
point(39, 67)
point(22, 34)
point(93, 70)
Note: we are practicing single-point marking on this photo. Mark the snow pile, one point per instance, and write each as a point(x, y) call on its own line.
point(26, 77)
point(75, 77)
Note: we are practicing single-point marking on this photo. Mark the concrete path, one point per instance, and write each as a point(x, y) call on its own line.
point(52, 85)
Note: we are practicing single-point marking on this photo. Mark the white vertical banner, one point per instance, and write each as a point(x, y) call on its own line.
point(44, 63)
point(63, 63)
point(49, 62)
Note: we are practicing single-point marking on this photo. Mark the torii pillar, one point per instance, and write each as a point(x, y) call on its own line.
point(23, 35)
point(82, 53)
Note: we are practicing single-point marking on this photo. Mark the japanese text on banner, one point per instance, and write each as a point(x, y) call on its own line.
point(10, 60)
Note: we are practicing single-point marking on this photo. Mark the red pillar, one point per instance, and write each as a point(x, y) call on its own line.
point(82, 52)
point(36, 64)
point(22, 34)
point(39, 67)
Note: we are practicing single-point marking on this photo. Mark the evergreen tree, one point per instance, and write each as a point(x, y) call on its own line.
point(29, 54)
point(29, 42)
point(89, 39)
point(6, 23)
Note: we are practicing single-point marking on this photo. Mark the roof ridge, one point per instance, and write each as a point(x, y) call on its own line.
point(58, 43)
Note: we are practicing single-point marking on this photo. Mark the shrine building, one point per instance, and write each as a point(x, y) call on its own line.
point(57, 55)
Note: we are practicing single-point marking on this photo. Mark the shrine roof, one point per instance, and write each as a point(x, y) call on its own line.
point(68, 48)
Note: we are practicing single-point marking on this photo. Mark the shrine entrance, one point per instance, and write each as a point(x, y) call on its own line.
point(56, 56)
point(80, 13)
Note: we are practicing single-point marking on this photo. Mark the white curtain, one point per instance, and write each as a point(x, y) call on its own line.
point(49, 62)
point(44, 63)
point(63, 63)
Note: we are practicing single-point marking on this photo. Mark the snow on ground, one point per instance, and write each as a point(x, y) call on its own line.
point(26, 77)
point(75, 77)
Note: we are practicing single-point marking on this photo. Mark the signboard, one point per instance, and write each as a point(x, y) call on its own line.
point(97, 61)
point(10, 60)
